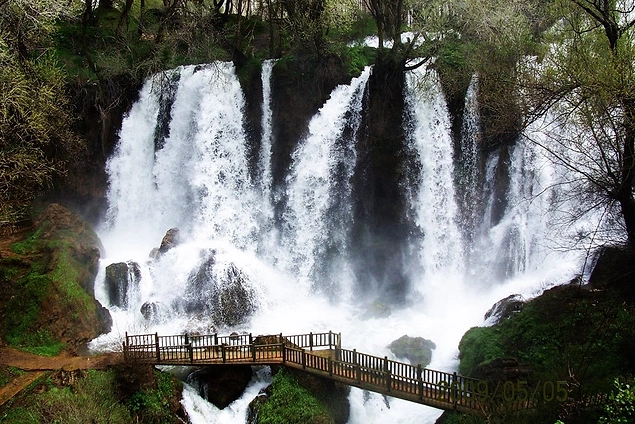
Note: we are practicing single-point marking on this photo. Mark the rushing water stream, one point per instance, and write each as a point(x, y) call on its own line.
point(295, 266)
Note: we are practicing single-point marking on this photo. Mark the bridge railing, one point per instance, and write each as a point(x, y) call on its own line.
point(376, 373)
point(315, 340)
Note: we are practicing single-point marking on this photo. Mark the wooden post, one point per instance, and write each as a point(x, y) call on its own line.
point(358, 370)
point(303, 359)
point(454, 389)
point(330, 367)
point(253, 350)
point(311, 341)
point(125, 352)
point(190, 349)
point(222, 349)
point(420, 381)
point(330, 341)
point(387, 373)
point(158, 348)
point(215, 339)
point(284, 359)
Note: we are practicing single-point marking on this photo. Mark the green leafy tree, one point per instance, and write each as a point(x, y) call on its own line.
point(586, 80)
point(620, 406)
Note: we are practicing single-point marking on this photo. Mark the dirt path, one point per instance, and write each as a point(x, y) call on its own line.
point(29, 362)
point(36, 366)
point(18, 384)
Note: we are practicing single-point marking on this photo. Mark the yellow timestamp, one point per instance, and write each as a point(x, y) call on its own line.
point(505, 391)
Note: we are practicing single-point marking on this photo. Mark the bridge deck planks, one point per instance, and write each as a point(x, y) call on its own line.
point(323, 359)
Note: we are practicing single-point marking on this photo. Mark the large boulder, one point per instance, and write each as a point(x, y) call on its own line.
point(220, 290)
point(502, 369)
point(221, 385)
point(120, 277)
point(234, 300)
point(289, 386)
point(170, 240)
point(152, 311)
point(417, 350)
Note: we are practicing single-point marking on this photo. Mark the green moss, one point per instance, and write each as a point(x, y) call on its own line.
point(49, 276)
point(568, 333)
point(292, 403)
point(29, 244)
point(358, 57)
point(251, 69)
point(23, 309)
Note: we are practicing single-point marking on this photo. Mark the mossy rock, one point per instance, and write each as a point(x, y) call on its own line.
point(51, 278)
point(573, 334)
point(417, 350)
point(288, 401)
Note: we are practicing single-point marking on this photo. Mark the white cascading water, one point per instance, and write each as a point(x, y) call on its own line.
point(198, 181)
point(312, 222)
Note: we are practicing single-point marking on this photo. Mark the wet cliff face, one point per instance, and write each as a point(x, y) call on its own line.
point(300, 86)
point(380, 229)
point(100, 109)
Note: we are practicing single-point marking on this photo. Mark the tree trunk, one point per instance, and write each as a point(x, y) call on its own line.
point(270, 19)
point(625, 191)
point(142, 11)
point(124, 18)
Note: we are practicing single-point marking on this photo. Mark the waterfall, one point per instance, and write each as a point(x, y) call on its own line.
point(436, 211)
point(481, 224)
point(318, 212)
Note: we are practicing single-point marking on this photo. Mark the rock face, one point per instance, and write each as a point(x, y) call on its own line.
point(54, 301)
point(119, 278)
point(221, 385)
point(505, 308)
point(170, 240)
point(253, 412)
point(417, 350)
point(502, 369)
point(615, 268)
point(220, 290)
point(151, 311)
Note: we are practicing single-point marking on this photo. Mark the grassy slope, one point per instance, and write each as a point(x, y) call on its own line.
point(96, 397)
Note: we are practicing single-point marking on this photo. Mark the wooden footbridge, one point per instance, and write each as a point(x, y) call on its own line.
point(321, 354)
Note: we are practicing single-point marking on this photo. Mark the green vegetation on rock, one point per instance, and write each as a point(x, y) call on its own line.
point(50, 276)
point(291, 403)
point(573, 337)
